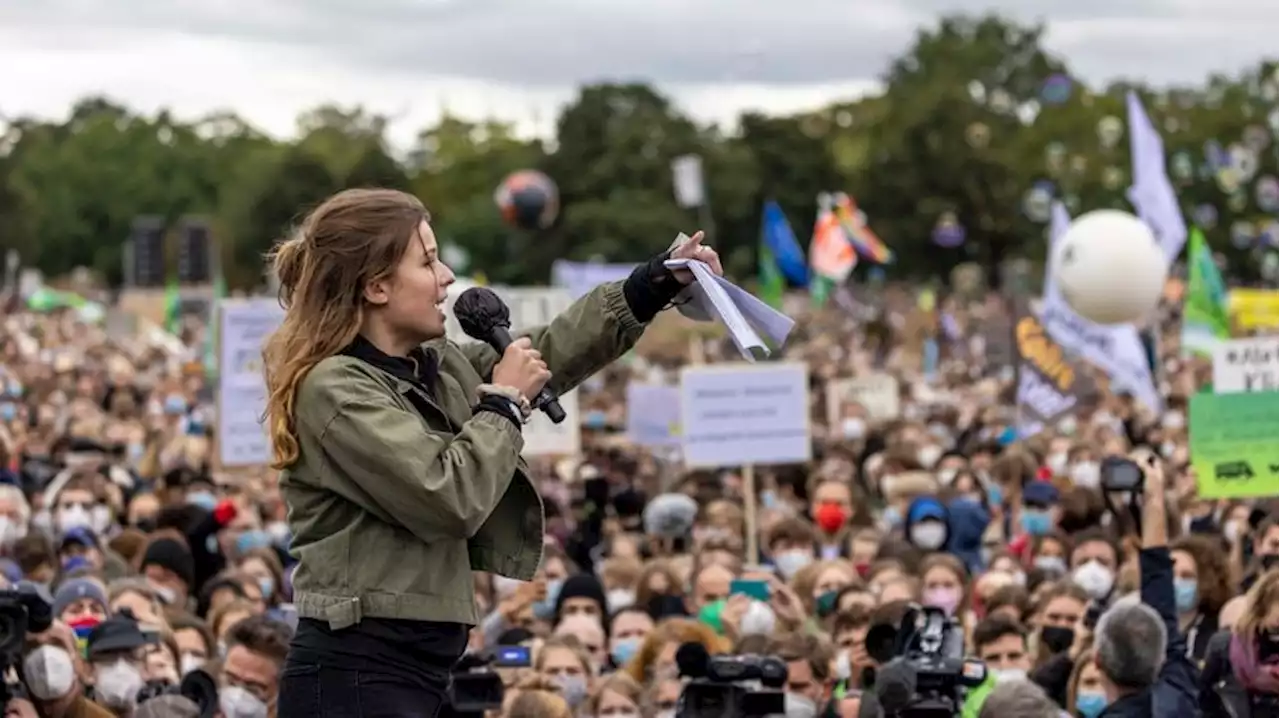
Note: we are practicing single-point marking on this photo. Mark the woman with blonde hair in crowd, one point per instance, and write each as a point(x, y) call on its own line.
point(657, 655)
point(568, 665)
point(1240, 674)
point(617, 696)
point(536, 697)
point(400, 450)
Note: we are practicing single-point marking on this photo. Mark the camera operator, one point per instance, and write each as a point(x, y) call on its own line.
point(1138, 648)
point(55, 675)
point(808, 659)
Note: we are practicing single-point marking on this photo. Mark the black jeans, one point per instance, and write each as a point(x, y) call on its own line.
point(314, 691)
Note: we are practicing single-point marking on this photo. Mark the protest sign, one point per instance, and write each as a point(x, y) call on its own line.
point(244, 325)
point(1246, 365)
point(1050, 383)
point(742, 414)
point(653, 414)
point(877, 393)
point(1235, 441)
point(543, 438)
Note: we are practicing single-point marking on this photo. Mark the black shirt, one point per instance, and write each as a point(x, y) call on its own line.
point(416, 652)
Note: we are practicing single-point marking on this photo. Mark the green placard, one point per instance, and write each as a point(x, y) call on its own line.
point(1235, 444)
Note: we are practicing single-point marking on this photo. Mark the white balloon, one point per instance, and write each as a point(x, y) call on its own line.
point(1109, 267)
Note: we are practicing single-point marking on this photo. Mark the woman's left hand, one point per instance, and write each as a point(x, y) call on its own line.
point(695, 249)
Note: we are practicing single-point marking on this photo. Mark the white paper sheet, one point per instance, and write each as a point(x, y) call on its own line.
point(712, 298)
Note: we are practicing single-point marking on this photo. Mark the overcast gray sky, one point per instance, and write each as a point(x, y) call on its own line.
point(519, 59)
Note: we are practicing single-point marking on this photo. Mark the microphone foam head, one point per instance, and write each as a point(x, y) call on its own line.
point(479, 310)
point(670, 516)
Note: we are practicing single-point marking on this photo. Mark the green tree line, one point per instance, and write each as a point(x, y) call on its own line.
point(965, 128)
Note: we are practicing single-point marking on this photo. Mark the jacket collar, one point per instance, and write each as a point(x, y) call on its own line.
point(420, 367)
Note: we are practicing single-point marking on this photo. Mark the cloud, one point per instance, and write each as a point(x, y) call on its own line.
point(556, 43)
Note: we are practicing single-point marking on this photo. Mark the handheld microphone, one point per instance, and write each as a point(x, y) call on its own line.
point(484, 317)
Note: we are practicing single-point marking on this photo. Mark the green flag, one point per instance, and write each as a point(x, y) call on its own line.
point(172, 307)
point(1205, 315)
point(771, 283)
point(211, 334)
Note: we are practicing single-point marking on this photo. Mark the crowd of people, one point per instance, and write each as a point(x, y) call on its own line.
point(169, 577)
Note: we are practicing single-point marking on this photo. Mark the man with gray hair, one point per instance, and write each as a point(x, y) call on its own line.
point(1020, 698)
point(1137, 645)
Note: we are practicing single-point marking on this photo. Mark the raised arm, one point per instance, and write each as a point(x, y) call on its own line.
point(1176, 692)
point(603, 325)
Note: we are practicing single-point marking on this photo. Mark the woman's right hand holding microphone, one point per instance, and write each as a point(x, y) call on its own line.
point(522, 369)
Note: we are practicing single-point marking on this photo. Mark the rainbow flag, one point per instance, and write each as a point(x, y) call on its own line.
point(81, 628)
point(831, 257)
point(869, 246)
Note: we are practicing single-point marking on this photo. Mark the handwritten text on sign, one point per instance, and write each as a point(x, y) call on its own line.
point(739, 414)
point(1246, 365)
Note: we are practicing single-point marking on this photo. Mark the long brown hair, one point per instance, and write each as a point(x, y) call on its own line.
point(355, 236)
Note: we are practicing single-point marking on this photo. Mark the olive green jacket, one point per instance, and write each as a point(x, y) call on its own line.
point(390, 511)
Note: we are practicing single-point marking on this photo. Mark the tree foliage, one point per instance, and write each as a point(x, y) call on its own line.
point(962, 128)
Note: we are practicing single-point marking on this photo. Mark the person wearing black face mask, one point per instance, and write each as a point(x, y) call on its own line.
point(1063, 617)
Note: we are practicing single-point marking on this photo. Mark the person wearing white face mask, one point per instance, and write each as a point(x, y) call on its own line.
point(52, 672)
point(249, 682)
point(78, 504)
point(809, 678)
point(1093, 561)
point(853, 428)
point(926, 524)
point(1086, 474)
point(113, 651)
point(15, 514)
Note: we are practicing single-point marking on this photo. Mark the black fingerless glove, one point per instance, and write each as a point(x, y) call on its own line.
point(503, 407)
point(651, 287)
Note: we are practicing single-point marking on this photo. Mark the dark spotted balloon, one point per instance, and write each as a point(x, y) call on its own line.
point(528, 199)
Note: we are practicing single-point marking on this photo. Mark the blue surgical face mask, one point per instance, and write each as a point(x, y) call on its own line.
point(1036, 522)
point(1090, 704)
point(8, 411)
point(252, 539)
point(136, 450)
point(995, 496)
point(892, 517)
point(595, 420)
point(175, 404)
point(1186, 593)
point(623, 650)
point(14, 389)
point(203, 499)
point(546, 609)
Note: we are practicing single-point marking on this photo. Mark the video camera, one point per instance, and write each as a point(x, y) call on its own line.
point(924, 673)
point(475, 688)
point(196, 686)
point(729, 686)
point(25, 608)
